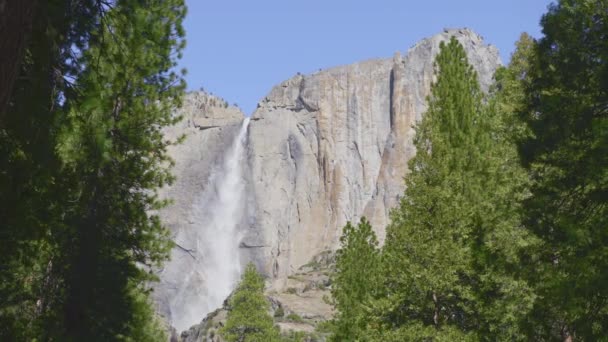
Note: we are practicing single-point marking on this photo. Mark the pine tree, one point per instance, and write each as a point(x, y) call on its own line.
point(32, 200)
point(456, 235)
point(355, 279)
point(248, 317)
point(566, 110)
point(113, 158)
point(509, 89)
point(16, 21)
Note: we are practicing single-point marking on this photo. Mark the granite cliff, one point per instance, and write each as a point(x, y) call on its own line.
point(320, 150)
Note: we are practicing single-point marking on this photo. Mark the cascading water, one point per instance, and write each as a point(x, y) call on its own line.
point(214, 243)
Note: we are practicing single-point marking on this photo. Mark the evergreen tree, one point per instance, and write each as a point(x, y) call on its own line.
point(566, 110)
point(355, 279)
point(32, 200)
point(509, 89)
point(81, 156)
point(114, 158)
point(248, 317)
point(16, 21)
point(456, 237)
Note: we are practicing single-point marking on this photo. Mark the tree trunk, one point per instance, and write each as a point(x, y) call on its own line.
point(436, 313)
point(16, 18)
point(84, 262)
point(566, 336)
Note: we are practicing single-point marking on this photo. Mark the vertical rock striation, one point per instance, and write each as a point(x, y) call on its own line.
point(332, 146)
point(207, 210)
point(323, 149)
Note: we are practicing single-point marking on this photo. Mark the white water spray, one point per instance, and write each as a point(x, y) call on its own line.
point(216, 215)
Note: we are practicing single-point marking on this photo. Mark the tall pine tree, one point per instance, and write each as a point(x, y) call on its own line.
point(509, 89)
point(456, 235)
point(566, 110)
point(248, 317)
point(355, 280)
point(32, 200)
point(114, 158)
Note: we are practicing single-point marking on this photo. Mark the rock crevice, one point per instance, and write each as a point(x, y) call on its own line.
point(354, 126)
point(323, 149)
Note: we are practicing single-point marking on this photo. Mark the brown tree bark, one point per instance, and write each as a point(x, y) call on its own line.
point(566, 336)
point(16, 19)
point(436, 313)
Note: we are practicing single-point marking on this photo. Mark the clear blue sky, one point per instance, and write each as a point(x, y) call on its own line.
point(239, 49)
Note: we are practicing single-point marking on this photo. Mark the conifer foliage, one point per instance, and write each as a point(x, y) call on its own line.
point(112, 147)
point(32, 198)
point(355, 280)
point(82, 157)
point(456, 232)
point(248, 317)
point(566, 110)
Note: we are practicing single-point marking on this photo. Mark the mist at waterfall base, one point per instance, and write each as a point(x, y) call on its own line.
point(214, 241)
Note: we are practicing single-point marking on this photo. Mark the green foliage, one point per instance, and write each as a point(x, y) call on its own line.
point(300, 336)
point(248, 318)
point(144, 325)
point(509, 90)
point(279, 312)
point(324, 327)
point(114, 154)
point(566, 110)
point(355, 279)
point(456, 236)
point(295, 336)
point(82, 154)
point(31, 202)
point(294, 317)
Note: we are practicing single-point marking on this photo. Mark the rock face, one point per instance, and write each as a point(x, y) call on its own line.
point(333, 146)
point(322, 149)
point(209, 126)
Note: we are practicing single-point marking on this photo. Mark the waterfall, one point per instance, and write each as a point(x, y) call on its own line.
point(215, 215)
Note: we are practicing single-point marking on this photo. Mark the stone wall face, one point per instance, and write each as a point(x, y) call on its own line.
point(333, 146)
point(323, 149)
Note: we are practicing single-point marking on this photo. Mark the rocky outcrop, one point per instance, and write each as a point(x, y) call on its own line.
point(208, 127)
point(322, 149)
point(333, 146)
point(207, 330)
point(301, 307)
